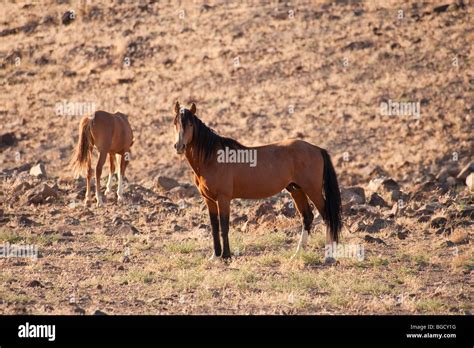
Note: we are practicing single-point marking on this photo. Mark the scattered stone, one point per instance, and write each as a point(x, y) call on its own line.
point(21, 186)
point(439, 221)
point(402, 235)
point(35, 284)
point(447, 171)
point(377, 225)
point(72, 221)
point(388, 188)
point(41, 193)
point(441, 9)
point(99, 312)
point(125, 259)
point(288, 209)
point(24, 221)
point(38, 170)
point(128, 229)
point(237, 221)
point(67, 234)
point(377, 201)
point(79, 310)
point(353, 195)
point(264, 209)
point(470, 182)
point(371, 239)
point(184, 191)
point(166, 183)
point(178, 228)
point(68, 17)
point(451, 181)
point(7, 139)
point(358, 226)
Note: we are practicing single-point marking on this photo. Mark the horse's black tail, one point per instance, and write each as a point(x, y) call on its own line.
point(332, 206)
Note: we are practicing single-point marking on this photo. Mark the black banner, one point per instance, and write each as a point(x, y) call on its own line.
point(447, 331)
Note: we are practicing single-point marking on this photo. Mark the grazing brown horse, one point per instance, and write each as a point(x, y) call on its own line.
point(225, 169)
point(110, 134)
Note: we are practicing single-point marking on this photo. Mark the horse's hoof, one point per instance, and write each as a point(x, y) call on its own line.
point(119, 199)
point(106, 192)
point(329, 260)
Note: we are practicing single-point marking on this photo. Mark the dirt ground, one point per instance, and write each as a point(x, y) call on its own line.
point(259, 72)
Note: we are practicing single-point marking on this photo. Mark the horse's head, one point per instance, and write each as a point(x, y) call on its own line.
point(183, 125)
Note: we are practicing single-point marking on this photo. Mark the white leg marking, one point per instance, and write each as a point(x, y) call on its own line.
point(302, 243)
point(109, 184)
point(120, 184)
point(98, 196)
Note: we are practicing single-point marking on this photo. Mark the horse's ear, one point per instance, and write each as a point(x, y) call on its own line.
point(193, 109)
point(176, 107)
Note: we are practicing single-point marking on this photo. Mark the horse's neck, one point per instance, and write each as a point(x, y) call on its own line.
point(193, 160)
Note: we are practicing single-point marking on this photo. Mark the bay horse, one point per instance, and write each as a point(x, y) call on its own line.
point(300, 167)
point(110, 134)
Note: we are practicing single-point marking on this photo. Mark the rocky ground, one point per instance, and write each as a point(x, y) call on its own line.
point(259, 73)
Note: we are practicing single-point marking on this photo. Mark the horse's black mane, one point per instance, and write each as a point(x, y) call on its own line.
point(206, 140)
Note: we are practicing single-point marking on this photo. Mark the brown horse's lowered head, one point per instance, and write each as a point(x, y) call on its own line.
point(183, 125)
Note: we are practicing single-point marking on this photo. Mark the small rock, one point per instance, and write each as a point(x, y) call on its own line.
point(178, 228)
point(125, 259)
point(470, 182)
point(237, 221)
point(288, 209)
point(38, 170)
point(79, 310)
point(67, 234)
point(166, 183)
point(184, 191)
point(353, 195)
point(377, 225)
point(439, 221)
point(376, 200)
point(450, 181)
point(99, 312)
point(35, 284)
point(24, 221)
point(7, 139)
point(266, 208)
point(371, 239)
point(41, 193)
point(68, 17)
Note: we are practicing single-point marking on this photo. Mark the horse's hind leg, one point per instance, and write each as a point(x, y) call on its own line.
point(302, 204)
point(88, 184)
point(98, 173)
point(124, 158)
point(111, 174)
point(317, 198)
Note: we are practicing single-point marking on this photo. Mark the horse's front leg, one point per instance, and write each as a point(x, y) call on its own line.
point(223, 204)
point(213, 215)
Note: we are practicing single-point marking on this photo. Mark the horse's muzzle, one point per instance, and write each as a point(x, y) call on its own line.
point(180, 148)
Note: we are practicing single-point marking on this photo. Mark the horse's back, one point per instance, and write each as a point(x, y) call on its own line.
point(111, 132)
